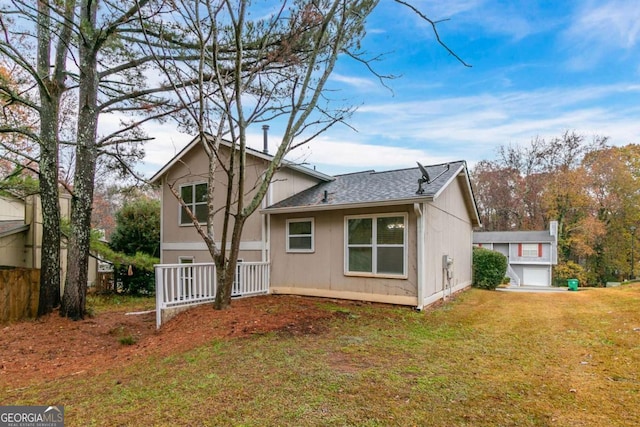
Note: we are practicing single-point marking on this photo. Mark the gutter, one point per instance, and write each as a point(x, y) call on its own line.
point(420, 240)
point(315, 208)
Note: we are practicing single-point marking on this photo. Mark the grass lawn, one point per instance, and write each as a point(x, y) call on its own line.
point(486, 358)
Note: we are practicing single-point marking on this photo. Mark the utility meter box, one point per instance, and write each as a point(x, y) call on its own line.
point(447, 261)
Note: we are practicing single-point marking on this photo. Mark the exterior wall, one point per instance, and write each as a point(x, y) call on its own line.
point(321, 273)
point(173, 256)
point(287, 182)
point(12, 247)
point(449, 231)
point(25, 249)
point(544, 259)
point(503, 248)
point(183, 240)
point(11, 209)
point(12, 250)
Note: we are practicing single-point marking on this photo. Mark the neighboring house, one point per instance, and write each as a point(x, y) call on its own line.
point(21, 233)
point(369, 236)
point(531, 255)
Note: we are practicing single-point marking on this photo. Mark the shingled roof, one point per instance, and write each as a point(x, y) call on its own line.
point(11, 227)
point(373, 188)
point(513, 237)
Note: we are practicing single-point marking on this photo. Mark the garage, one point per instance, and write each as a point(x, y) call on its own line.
point(532, 276)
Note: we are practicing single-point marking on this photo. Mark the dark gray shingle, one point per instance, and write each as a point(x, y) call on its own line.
point(373, 187)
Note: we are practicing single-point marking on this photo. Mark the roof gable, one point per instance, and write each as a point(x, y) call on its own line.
point(250, 151)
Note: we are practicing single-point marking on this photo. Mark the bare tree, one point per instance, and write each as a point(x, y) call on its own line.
point(249, 71)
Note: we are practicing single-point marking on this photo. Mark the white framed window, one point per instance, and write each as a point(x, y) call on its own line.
point(376, 245)
point(195, 197)
point(300, 232)
point(530, 250)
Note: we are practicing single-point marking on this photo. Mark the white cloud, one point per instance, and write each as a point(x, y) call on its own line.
point(356, 82)
point(597, 28)
point(396, 135)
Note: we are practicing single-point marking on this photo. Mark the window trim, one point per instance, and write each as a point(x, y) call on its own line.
point(530, 250)
point(192, 206)
point(312, 235)
point(374, 246)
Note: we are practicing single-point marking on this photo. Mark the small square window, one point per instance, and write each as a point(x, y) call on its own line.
point(300, 235)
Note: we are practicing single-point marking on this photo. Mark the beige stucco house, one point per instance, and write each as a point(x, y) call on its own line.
point(400, 237)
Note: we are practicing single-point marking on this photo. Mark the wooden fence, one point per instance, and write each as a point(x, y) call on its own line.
point(19, 292)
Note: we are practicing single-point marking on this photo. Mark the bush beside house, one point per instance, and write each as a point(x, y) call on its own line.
point(137, 235)
point(569, 270)
point(489, 268)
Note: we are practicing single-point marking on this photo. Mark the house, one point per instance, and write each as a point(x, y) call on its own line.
point(21, 233)
point(393, 237)
point(531, 255)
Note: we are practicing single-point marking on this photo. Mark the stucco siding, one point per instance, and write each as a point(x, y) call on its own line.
point(321, 273)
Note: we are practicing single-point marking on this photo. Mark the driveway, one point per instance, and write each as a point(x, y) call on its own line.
point(545, 289)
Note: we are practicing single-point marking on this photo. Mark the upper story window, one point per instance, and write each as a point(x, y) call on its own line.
point(531, 250)
point(300, 235)
point(195, 197)
point(376, 244)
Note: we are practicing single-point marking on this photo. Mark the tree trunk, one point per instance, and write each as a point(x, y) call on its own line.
point(226, 268)
point(74, 299)
point(50, 93)
point(73, 302)
point(50, 256)
point(224, 285)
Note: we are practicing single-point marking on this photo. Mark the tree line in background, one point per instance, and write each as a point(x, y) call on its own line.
point(590, 187)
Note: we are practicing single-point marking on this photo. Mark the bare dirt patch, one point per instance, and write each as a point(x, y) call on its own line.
point(54, 347)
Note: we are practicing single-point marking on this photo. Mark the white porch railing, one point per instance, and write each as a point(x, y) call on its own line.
point(252, 278)
point(180, 285)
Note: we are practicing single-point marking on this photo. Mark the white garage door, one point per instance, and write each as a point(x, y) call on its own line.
point(535, 277)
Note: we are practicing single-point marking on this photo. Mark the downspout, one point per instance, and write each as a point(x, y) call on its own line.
point(164, 182)
point(268, 245)
point(420, 239)
point(266, 201)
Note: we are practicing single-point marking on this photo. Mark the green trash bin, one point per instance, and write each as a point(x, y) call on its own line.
point(573, 284)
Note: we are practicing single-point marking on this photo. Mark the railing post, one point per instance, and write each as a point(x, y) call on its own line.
point(159, 295)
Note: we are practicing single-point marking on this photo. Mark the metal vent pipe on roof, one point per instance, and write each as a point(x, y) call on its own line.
point(265, 139)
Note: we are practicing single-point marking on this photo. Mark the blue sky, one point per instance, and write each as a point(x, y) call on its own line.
point(538, 68)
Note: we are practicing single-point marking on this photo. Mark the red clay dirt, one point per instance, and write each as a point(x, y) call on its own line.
point(53, 347)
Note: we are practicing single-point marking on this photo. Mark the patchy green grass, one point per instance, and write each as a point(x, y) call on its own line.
point(486, 358)
point(100, 303)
